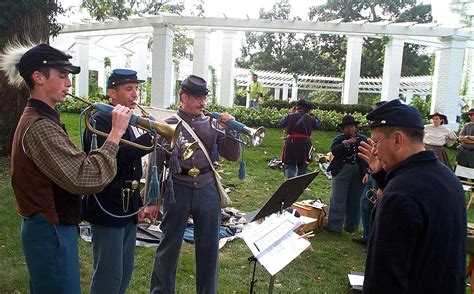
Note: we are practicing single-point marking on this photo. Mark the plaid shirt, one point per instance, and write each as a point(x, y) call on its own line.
point(56, 156)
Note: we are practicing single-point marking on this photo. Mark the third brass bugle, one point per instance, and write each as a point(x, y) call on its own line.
point(255, 135)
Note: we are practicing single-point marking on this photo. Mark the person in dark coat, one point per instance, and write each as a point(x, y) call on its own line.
point(113, 238)
point(465, 155)
point(418, 240)
point(299, 126)
point(347, 171)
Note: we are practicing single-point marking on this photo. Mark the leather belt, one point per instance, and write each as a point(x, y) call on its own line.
point(194, 172)
point(119, 184)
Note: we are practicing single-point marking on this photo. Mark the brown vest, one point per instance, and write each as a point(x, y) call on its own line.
point(34, 191)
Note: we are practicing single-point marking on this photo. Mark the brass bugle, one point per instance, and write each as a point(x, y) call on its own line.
point(170, 132)
point(186, 149)
point(255, 135)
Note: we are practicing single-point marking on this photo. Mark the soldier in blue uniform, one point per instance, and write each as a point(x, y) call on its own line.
point(113, 238)
point(347, 171)
point(418, 240)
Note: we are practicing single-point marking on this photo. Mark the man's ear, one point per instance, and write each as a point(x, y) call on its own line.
point(399, 139)
point(38, 77)
point(112, 94)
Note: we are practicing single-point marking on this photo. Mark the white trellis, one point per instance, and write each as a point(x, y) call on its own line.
point(409, 86)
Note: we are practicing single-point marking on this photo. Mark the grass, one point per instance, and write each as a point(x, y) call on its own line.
point(324, 270)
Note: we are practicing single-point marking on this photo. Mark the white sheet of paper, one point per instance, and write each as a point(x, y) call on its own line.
point(356, 280)
point(270, 231)
point(282, 252)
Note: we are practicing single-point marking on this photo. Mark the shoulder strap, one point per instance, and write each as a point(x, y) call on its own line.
point(201, 145)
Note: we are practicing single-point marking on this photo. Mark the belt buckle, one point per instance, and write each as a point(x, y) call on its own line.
point(194, 172)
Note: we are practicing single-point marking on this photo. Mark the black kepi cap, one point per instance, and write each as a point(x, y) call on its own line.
point(195, 86)
point(395, 114)
point(44, 55)
point(121, 76)
point(348, 120)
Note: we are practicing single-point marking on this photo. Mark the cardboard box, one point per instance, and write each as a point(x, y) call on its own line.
point(310, 211)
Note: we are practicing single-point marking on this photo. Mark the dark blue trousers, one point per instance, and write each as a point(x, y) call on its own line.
point(204, 205)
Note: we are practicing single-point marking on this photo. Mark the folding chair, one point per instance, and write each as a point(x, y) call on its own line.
point(466, 175)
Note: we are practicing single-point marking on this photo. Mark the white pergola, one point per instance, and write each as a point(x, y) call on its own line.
point(284, 83)
point(449, 43)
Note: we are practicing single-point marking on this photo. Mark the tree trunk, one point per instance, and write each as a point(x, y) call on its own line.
point(28, 27)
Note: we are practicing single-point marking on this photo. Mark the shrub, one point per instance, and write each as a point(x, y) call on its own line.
point(76, 106)
point(341, 108)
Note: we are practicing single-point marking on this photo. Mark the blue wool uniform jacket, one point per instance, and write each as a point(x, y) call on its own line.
point(343, 154)
point(418, 239)
point(129, 167)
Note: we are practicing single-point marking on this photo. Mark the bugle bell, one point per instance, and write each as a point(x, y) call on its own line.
point(255, 136)
point(186, 149)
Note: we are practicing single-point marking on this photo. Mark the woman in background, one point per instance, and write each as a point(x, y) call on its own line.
point(437, 135)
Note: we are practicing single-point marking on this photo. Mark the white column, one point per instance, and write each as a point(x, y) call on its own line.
point(101, 76)
point(392, 68)
point(352, 74)
point(447, 77)
point(277, 93)
point(408, 96)
point(162, 63)
point(227, 69)
point(247, 99)
point(201, 53)
point(294, 90)
point(82, 57)
point(285, 92)
point(141, 61)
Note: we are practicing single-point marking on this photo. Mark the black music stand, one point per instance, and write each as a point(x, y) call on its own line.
point(284, 197)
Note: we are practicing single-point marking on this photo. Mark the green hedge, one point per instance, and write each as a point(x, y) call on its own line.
point(341, 108)
point(268, 117)
point(75, 106)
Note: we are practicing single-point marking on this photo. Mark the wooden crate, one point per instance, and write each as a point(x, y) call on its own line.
point(312, 212)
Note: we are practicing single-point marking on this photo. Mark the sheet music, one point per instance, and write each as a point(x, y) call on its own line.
point(282, 252)
point(274, 243)
point(270, 231)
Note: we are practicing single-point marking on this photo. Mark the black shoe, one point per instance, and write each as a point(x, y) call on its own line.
point(360, 241)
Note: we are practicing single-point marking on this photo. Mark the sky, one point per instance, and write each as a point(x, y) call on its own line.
point(217, 8)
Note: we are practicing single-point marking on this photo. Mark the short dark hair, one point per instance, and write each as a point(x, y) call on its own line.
point(29, 79)
point(414, 134)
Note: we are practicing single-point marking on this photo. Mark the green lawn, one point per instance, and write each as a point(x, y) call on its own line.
point(324, 270)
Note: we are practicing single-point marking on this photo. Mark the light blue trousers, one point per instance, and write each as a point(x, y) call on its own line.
point(295, 169)
point(344, 209)
point(204, 205)
point(113, 250)
point(51, 256)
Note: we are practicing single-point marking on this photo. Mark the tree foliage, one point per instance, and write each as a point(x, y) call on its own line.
point(103, 10)
point(325, 54)
point(22, 21)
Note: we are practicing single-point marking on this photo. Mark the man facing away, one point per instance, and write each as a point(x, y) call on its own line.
point(196, 195)
point(48, 172)
point(418, 240)
point(112, 212)
point(299, 126)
